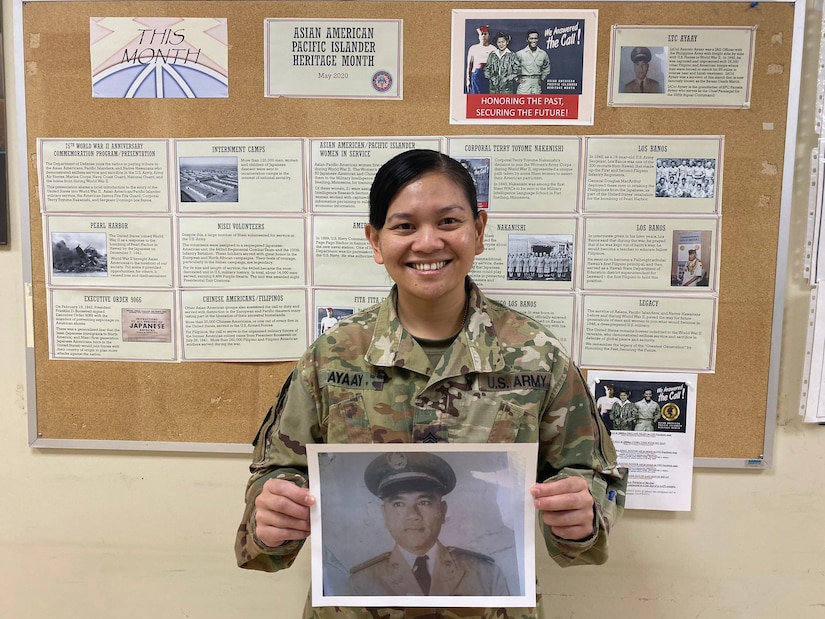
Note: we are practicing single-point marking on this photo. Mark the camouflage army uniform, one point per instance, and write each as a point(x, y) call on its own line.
point(504, 379)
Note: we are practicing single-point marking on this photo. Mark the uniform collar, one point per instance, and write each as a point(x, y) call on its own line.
point(475, 349)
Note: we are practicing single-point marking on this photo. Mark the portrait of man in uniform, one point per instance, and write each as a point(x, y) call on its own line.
point(419, 536)
point(412, 487)
point(642, 81)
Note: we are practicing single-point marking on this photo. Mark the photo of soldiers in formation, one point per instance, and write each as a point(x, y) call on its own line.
point(540, 258)
point(685, 178)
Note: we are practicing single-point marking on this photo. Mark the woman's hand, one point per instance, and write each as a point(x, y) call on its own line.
point(567, 507)
point(282, 512)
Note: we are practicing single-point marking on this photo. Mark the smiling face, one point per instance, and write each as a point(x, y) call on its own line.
point(533, 40)
point(414, 519)
point(501, 43)
point(429, 240)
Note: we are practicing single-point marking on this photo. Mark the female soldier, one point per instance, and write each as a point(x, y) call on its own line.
point(435, 361)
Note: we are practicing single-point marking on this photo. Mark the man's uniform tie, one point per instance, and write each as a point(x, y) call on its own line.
point(422, 573)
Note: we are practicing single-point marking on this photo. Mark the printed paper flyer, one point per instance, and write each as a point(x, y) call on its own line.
point(103, 175)
point(105, 251)
point(651, 333)
point(243, 325)
point(527, 174)
point(342, 169)
point(523, 67)
point(266, 248)
point(335, 58)
point(108, 324)
point(159, 57)
point(652, 421)
point(241, 175)
point(675, 66)
point(647, 174)
point(652, 253)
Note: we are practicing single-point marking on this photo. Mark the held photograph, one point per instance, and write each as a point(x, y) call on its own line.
point(421, 525)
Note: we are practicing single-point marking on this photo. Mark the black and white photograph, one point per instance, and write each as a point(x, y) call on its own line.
point(208, 179)
point(642, 406)
point(651, 417)
point(327, 317)
point(79, 254)
point(693, 177)
point(540, 257)
point(423, 524)
point(643, 69)
point(479, 169)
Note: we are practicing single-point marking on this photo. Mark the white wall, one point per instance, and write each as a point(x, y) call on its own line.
point(96, 535)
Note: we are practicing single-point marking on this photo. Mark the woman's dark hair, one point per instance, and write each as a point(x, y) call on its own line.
point(406, 167)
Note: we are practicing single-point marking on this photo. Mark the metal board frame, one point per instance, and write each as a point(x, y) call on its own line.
point(14, 68)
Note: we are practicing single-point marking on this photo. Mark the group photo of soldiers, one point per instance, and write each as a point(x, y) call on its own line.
point(642, 407)
point(540, 257)
point(685, 178)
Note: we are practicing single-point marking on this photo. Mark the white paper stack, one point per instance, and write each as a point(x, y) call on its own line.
point(812, 403)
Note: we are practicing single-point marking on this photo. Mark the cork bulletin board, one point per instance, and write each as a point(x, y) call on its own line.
point(209, 406)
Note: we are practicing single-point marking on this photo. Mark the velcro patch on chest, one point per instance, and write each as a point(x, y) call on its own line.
point(509, 382)
point(356, 380)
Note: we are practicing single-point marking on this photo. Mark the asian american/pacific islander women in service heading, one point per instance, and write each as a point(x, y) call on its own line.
point(442, 362)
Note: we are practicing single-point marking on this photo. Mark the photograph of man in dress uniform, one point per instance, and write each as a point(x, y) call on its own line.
point(432, 523)
point(644, 80)
point(412, 487)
